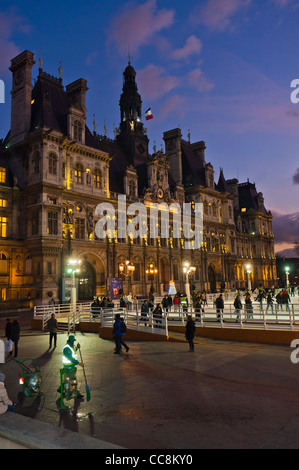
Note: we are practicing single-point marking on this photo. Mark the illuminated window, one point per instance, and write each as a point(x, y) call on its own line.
point(3, 227)
point(243, 209)
point(3, 293)
point(79, 174)
point(88, 177)
point(97, 178)
point(3, 202)
point(2, 175)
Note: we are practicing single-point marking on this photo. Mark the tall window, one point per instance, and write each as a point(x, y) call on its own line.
point(34, 223)
point(35, 161)
point(78, 131)
point(79, 228)
point(3, 264)
point(2, 175)
point(97, 178)
point(79, 174)
point(3, 202)
point(52, 164)
point(3, 227)
point(52, 223)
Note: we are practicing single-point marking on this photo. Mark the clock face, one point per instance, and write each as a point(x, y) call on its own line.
point(160, 193)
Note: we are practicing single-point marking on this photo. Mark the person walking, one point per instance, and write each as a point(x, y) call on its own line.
point(279, 300)
point(238, 306)
point(119, 329)
point(248, 305)
point(219, 306)
point(260, 298)
point(184, 303)
point(286, 300)
point(165, 304)
point(198, 307)
point(204, 298)
point(53, 328)
point(190, 330)
point(144, 312)
point(5, 403)
point(15, 336)
point(269, 301)
point(176, 303)
point(157, 315)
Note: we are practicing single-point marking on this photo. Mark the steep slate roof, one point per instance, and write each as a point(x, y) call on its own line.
point(249, 197)
point(192, 168)
point(51, 104)
point(222, 185)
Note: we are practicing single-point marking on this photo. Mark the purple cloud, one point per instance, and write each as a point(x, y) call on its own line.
point(137, 24)
point(9, 22)
point(155, 81)
point(296, 177)
point(192, 46)
point(218, 14)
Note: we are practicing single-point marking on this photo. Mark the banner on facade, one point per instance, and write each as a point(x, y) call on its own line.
point(116, 287)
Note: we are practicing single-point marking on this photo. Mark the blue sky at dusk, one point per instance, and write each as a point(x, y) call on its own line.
point(221, 68)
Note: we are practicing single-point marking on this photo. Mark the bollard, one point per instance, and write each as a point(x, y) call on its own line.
point(2, 355)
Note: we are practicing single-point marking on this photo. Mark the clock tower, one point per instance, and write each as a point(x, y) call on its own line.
point(132, 136)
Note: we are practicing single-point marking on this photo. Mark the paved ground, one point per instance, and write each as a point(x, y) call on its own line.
point(161, 396)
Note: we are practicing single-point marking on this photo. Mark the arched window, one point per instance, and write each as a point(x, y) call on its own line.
point(78, 131)
point(97, 176)
point(79, 173)
point(3, 264)
point(53, 164)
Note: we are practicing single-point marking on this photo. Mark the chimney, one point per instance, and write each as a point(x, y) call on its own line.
point(173, 152)
point(199, 150)
point(21, 95)
point(77, 93)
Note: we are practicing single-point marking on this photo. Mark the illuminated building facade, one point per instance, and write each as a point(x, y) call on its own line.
point(54, 172)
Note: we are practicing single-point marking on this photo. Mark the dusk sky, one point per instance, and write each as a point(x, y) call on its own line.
point(221, 68)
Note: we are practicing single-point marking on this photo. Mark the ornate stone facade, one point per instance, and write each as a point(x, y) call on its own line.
point(54, 172)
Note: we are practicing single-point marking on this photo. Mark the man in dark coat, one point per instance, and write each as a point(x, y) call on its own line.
point(53, 328)
point(190, 330)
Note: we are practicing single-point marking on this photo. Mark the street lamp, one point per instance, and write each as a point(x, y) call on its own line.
point(248, 270)
point(188, 271)
point(151, 270)
point(287, 270)
point(126, 268)
point(73, 268)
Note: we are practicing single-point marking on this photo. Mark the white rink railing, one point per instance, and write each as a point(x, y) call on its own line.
point(285, 318)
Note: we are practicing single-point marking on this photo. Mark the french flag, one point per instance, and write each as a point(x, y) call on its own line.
point(148, 114)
